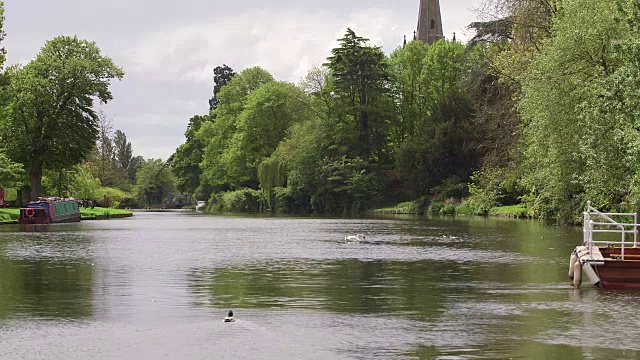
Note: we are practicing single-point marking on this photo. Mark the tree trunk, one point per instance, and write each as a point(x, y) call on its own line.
point(20, 196)
point(35, 179)
point(363, 123)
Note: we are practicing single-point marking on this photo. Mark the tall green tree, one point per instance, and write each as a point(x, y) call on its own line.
point(217, 135)
point(222, 75)
point(443, 148)
point(295, 164)
point(84, 185)
point(361, 77)
point(497, 126)
point(579, 144)
point(407, 65)
point(105, 156)
point(270, 111)
point(5, 96)
point(135, 165)
point(123, 150)
point(498, 30)
point(10, 172)
point(52, 123)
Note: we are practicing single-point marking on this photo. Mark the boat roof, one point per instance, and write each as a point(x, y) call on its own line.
point(44, 202)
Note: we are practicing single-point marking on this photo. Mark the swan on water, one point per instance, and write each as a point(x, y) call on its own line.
point(358, 237)
point(229, 317)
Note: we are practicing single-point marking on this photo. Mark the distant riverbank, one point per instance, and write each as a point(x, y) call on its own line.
point(437, 208)
point(10, 215)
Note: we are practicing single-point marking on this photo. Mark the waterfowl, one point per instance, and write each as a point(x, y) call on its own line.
point(358, 237)
point(229, 317)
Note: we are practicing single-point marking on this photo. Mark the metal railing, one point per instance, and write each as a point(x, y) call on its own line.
point(608, 224)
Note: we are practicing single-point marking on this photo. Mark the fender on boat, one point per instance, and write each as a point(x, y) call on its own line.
point(577, 276)
point(572, 263)
point(594, 279)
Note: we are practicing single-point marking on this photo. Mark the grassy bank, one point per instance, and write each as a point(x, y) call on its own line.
point(437, 208)
point(409, 207)
point(513, 211)
point(9, 214)
point(85, 213)
point(103, 213)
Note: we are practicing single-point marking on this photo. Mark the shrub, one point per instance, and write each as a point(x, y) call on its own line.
point(345, 186)
point(448, 209)
point(286, 201)
point(115, 196)
point(464, 209)
point(435, 208)
point(243, 200)
point(481, 200)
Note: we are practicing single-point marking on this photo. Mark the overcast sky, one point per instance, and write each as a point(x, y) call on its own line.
point(168, 48)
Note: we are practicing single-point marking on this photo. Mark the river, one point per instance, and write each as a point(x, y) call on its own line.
point(157, 286)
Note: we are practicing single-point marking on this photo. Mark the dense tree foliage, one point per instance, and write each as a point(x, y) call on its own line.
point(52, 123)
point(540, 108)
point(580, 142)
point(84, 185)
point(218, 135)
point(154, 182)
point(185, 162)
point(407, 66)
point(11, 173)
point(436, 145)
point(112, 160)
point(337, 142)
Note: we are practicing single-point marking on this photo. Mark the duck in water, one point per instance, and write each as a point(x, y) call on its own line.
point(229, 317)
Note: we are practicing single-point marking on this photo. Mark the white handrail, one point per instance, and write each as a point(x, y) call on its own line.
point(590, 227)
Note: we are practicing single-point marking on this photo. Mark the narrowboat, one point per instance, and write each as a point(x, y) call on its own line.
point(50, 210)
point(609, 256)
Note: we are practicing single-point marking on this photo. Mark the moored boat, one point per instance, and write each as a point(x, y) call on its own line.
point(50, 210)
point(610, 254)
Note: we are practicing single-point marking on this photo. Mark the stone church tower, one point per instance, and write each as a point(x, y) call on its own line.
point(429, 21)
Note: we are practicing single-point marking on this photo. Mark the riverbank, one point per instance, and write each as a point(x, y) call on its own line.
point(439, 208)
point(98, 213)
point(10, 215)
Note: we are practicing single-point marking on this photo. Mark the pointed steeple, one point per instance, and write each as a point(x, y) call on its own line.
point(430, 21)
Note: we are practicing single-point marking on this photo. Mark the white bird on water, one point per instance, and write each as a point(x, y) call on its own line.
point(358, 237)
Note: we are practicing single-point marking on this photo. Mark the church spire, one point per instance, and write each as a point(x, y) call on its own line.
point(430, 21)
